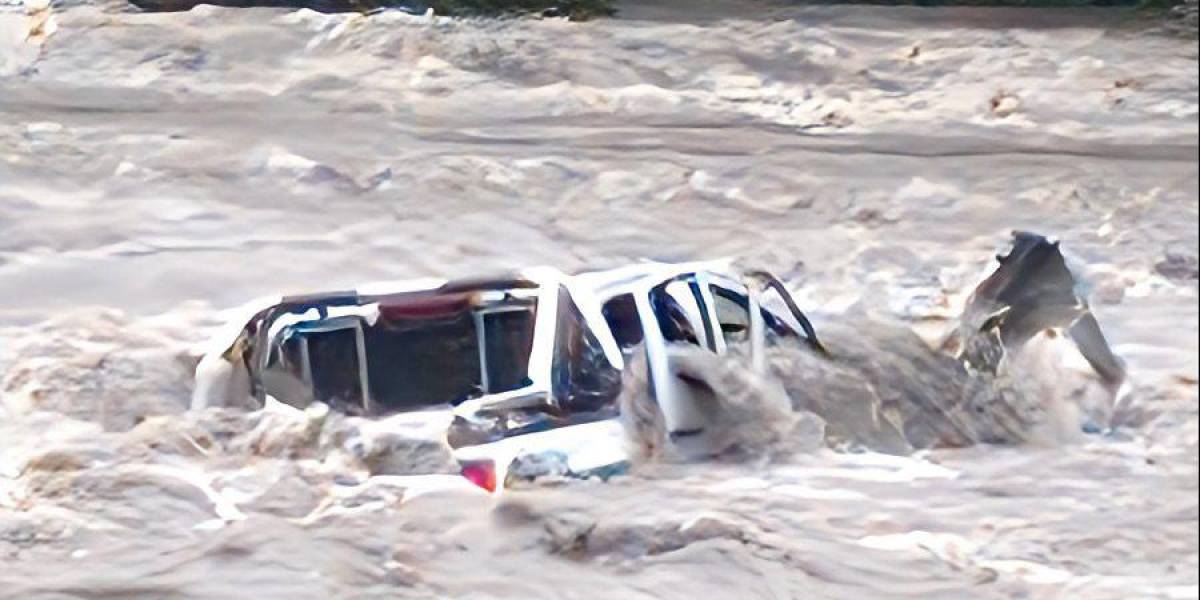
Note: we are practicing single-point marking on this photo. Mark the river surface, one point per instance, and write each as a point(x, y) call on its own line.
point(157, 170)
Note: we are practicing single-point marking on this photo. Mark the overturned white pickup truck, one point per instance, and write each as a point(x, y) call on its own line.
point(533, 350)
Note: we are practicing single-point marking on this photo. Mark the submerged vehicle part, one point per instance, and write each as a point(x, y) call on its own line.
point(596, 449)
point(704, 305)
point(1033, 289)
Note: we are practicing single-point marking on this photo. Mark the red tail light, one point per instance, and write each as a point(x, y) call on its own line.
point(481, 473)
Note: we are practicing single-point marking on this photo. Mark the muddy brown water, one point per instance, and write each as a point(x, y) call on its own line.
point(158, 169)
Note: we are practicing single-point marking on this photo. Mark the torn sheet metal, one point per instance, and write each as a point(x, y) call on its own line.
point(1032, 290)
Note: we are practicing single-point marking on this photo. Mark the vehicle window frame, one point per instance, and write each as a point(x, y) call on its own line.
point(624, 344)
point(681, 300)
point(480, 316)
point(719, 291)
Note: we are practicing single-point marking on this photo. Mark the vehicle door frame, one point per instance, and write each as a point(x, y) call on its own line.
point(678, 415)
point(756, 334)
point(479, 316)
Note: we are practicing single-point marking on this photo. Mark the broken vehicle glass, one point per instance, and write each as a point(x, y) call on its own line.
point(585, 381)
point(621, 315)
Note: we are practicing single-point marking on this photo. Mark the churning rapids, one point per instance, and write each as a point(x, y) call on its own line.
point(158, 169)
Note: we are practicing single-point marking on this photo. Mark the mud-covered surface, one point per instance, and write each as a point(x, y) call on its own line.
point(158, 169)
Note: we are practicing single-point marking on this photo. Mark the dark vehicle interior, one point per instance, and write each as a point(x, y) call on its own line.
point(422, 350)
